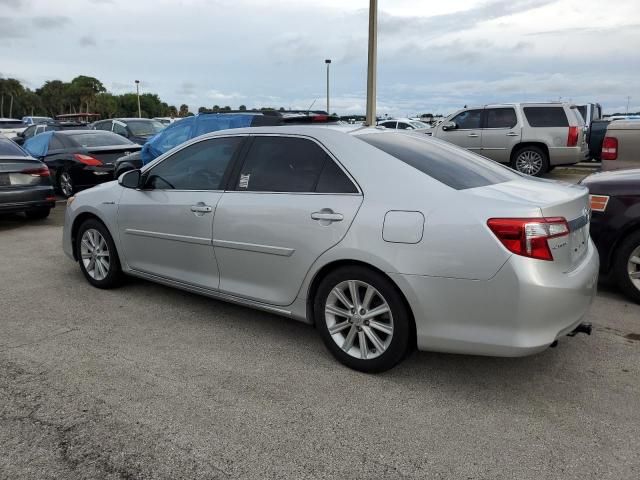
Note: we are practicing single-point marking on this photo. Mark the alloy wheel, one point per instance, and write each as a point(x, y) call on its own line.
point(633, 267)
point(529, 162)
point(359, 319)
point(66, 184)
point(94, 253)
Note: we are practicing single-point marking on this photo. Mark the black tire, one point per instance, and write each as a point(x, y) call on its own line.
point(399, 343)
point(114, 276)
point(534, 151)
point(64, 183)
point(38, 213)
point(620, 266)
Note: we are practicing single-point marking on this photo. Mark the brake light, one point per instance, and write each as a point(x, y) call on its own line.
point(87, 159)
point(37, 172)
point(320, 118)
point(529, 237)
point(599, 202)
point(572, 138)
point(609, 149)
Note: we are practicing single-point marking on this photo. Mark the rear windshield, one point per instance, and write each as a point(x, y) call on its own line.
point(98, 139)
point(145, 128)
point(546, 116)
point(446, 163)
point(7, 147)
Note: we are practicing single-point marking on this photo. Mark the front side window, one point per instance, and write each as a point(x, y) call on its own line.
point(389, 124)
point(546, 116)
point(468, 120)
point(29, 131)
point(282, 164)
point(501, 118)
point(200, 166)
point(404, 126)
point(119, 129)
point(103, 126)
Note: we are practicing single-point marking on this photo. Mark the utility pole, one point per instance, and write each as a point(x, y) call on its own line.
point(372, 63)
point(628, 101)
point(138, 95)
point(328, 62)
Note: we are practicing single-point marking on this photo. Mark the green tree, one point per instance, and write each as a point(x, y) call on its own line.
point(184, 110)
point(84, 89)
point(242, 108)
point(202, 109)
point(216, 108)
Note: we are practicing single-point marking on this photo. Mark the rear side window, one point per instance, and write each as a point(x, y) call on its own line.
point(98, 139)
point(334, 180)
point(282, 164)
point(389, 124)
point(7, 147)
point(546, 116)
point(453, 166)
point(468, 120)
point(501, 118)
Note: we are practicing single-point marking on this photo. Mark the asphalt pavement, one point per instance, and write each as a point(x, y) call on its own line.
point(151, 382)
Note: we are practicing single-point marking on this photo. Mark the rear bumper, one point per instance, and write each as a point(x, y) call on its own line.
point(21, 199)
point(568, 155)
point(523, 309)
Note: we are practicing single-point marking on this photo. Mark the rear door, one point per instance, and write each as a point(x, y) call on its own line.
point(165, 229)
point(289, 202)
point(501, 133)
point(468, 132)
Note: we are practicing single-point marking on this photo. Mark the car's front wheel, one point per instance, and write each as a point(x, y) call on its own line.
point(530, 160)
point(362, 319)
point(626, 268)
point(97, 255)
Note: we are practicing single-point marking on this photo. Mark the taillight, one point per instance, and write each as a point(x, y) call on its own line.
point(87, 159)
point(37, 172)
point(609, 149)
point(599, 202)
point(572, 138)
point(529, 236)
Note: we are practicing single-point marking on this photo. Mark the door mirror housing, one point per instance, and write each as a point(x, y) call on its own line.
point(447, 126)
point(130, 179)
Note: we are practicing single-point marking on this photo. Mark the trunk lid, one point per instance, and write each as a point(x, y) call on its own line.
point(12, 172)
point(109, 155)
point(551, 199)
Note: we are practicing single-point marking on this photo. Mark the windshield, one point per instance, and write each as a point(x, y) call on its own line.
point(451, 165)
point(98, 139)
point(144, 128)
point(416, 124)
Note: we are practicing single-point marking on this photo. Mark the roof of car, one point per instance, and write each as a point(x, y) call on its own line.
point(77, 132)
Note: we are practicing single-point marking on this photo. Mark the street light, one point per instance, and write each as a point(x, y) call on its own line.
point(328, 62)
point(372, 62)
point(138, 95)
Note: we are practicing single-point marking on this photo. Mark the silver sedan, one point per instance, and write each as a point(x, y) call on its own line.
point(384, 241)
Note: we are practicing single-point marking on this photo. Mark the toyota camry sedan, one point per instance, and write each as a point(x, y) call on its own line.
point(384, 241)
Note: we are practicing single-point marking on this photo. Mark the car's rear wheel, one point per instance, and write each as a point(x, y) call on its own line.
point(362, 319)
point(37, 213)
point(626, 268)
point(65, 183)
point(97, 255)
point(530, 160)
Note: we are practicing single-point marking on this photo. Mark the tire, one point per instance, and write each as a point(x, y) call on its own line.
point(386, 343)
point(627, 261)
point(97, 255)
point(38, 213)
point(530, 160)
point(65, 184)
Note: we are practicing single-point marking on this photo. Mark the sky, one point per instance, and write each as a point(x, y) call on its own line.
point(433, 56)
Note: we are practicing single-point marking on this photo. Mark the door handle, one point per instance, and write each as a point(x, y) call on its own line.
point(512, 134)
point(201, 208)
point(327, 216)
point(473, 135)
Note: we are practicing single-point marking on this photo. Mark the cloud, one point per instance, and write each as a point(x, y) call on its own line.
point(87, 41)
point(50, 22)
point(219, 96)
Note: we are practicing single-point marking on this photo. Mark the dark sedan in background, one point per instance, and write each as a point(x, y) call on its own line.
point(25, 185)
point(615, 226)
point(35, 129)
point(138, 130)
point(79, 158)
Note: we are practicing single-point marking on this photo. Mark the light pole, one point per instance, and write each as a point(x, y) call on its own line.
point(138, 95)
point(628, 101)
point(328, 62)
point(372, 63)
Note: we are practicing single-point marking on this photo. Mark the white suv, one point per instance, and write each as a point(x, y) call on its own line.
point(531, 137)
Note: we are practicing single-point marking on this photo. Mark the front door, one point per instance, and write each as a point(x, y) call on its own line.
point(290, 203)
point(165, 228)
point(467, 132)
point(501, 133)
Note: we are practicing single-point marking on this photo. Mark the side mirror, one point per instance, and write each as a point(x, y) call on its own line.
point(130, 179)
point(21, 134)
point(447, 126)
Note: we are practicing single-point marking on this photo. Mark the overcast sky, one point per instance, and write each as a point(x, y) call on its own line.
point(433, 56)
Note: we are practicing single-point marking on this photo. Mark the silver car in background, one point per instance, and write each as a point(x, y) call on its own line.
point(383, 240)
point(530, 137)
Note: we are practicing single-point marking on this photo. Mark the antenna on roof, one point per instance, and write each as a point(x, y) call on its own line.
point(310, 106)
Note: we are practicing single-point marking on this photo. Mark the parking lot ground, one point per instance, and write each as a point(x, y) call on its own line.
point(150, 382)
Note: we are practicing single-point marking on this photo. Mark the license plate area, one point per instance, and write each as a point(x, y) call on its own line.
point(579, 243)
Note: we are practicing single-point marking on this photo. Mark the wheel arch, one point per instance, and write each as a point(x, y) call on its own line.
point(334, 265)
point(75, 226)
point(519, 146)
point(613, 251)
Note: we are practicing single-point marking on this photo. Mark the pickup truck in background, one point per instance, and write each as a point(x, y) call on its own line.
point(621, 145)
point(596, 136)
